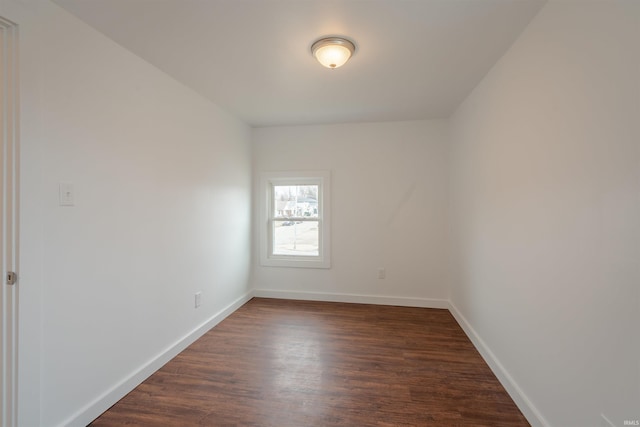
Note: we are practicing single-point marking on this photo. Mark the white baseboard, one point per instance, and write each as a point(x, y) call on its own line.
point(94, 409)
point(535, 418)
point(531, 413)
point(352, 298)
point(91, 411)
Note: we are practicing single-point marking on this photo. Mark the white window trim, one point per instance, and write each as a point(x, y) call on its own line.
point(267, 181)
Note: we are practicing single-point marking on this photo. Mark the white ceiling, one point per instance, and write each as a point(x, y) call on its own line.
point(415, 59)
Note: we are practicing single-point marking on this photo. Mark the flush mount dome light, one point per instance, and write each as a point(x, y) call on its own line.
point(333, 52)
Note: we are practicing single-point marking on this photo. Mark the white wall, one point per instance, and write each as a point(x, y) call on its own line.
point(545, 178)
point(388, 210)
point(162, 180)
point(546, 192)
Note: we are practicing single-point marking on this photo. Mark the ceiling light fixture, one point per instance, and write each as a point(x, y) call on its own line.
point(333, 52)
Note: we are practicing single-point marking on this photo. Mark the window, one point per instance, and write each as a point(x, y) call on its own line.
point(295, 219)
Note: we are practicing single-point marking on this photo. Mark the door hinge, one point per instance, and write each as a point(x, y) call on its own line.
point(12, 278)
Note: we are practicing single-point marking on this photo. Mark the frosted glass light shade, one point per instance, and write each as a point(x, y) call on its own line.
point(333, 52)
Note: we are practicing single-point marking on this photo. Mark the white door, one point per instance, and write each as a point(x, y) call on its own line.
point(8, 219)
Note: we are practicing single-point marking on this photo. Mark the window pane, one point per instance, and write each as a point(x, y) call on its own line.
point(295, 201)
point(295, 238)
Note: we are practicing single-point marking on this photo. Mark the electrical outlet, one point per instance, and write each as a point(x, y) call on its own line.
point(198, 299)
point(382, 273)
point(66, 194)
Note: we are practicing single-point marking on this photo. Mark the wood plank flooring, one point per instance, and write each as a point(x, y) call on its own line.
point(298, 363)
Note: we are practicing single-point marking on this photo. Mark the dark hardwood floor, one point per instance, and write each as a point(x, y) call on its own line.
point(297, 363)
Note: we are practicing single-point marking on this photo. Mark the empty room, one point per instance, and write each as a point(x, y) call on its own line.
point(320, 213)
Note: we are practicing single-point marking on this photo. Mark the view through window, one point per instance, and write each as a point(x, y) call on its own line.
point(295, 220)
